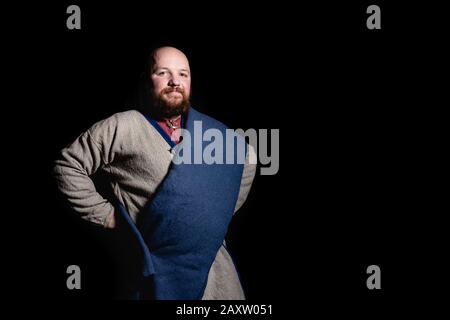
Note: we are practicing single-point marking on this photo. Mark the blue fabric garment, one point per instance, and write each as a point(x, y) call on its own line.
point(184, 225)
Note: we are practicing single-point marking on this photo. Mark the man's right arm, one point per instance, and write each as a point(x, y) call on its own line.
point(90, 152)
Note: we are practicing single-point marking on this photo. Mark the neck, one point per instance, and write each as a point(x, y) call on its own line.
point(174, 118)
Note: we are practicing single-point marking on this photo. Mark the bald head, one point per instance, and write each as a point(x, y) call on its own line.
point(170, 76)
point(165, 55)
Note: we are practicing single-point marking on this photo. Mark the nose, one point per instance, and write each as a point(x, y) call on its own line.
point(174, 81)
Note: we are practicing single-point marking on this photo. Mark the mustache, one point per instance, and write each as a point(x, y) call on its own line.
point(172, 89)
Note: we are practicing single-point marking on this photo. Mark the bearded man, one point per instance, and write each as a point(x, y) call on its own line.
point(178, 214)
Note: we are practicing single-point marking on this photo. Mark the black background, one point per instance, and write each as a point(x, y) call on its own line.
point(349, 104)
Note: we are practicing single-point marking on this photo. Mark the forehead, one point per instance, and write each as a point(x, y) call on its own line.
point(170, 58)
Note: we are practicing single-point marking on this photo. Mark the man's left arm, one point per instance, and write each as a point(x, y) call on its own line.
point(248, 175)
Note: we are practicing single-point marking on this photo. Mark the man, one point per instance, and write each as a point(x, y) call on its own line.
point(178, 213)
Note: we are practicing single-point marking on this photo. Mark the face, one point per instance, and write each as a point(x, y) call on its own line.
point(171, 82)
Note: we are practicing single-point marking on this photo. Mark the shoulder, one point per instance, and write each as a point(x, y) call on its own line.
point(118, 125)
point(124, 117)
point(129, 115)
point(120, 119)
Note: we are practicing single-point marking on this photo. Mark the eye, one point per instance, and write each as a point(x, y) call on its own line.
point(161, 73)
point(184, 75)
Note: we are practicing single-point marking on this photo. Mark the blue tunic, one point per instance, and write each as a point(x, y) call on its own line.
point(183, 226)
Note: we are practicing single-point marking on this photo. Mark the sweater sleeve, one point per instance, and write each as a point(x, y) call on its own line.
point(248, 176)
point(78, 162)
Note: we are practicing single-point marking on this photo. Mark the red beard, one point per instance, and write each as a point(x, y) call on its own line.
point(165, 108)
